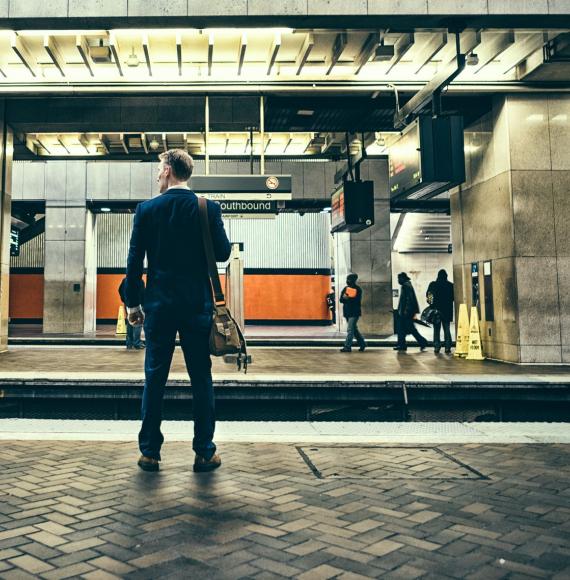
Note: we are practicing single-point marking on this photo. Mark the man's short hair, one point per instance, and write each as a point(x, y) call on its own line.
point(180, 162)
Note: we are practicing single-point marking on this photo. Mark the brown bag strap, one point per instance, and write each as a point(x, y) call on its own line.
point(209, 249)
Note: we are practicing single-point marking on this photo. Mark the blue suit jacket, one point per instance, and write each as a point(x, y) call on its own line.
point(167, 229)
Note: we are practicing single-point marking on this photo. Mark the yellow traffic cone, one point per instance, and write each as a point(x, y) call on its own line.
point(462, 335)
point(475, 349)
point(121, 324)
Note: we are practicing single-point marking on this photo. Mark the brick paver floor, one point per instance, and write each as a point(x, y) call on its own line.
point(83, 509)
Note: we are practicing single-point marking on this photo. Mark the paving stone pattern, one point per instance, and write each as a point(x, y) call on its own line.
point(84, 510)
point(381, 462)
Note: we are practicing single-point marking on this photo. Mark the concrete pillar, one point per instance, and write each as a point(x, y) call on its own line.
point(368, 254)
point(6, 150)
point(513, 213)
point(70, 251)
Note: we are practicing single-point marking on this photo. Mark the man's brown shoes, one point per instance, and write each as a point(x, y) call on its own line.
point(201, 464)
point(147, 463)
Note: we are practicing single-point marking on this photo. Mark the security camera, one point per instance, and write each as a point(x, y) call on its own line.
point(472, 59)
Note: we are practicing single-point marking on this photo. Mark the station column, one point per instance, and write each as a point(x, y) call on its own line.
point(6, 150)
point(368, 254)
point(511, 247)
point(70, 251)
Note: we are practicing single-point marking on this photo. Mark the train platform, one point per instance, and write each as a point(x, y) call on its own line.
point(256, 335)
point(74, 505)
point(289, 383)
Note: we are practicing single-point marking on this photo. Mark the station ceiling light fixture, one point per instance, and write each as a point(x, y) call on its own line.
point(192, 58)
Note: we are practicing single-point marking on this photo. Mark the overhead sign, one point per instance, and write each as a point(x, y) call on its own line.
point(239, 206)
point(238, 184)
point(246, 196)
point(404, 161)
point(249, 216)
point(352, 207)
point(14, 242)
point(428, 158)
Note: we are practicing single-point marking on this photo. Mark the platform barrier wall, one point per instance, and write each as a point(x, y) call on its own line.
point(269, 297)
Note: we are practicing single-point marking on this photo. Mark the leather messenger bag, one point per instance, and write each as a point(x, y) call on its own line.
point(226, 337)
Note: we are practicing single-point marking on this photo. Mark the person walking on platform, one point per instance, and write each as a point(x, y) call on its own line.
point(408, 308)
point(351, 299)
point(133, 332)
point(440, 295)
point(178, 298)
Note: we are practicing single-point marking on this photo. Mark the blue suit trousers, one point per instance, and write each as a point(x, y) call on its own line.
point(160, 331)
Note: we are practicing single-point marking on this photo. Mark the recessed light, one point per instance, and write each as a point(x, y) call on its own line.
point(106, 209)
point(305, 112)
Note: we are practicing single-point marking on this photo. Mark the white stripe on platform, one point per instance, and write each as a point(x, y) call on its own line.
point(294, 431)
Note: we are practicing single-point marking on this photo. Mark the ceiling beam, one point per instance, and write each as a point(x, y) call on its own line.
point(114, 46)
point(274, 52)
point(146, 50)
point(53, 52)
point(242, 49)
point(368, 49)
point(60, 141)
point(124, 143)
point(83, 49)
point(304, 53)
point(3, 67)
point(210, 52)
point(105, 143)
point(179, 52)
point(469, 41)
point(25, 56)
point(401, 46)
point(431, 48)
point(338, 47)
point(493, 48)
point(84, 142)
point(522, 49)
point(144, 142)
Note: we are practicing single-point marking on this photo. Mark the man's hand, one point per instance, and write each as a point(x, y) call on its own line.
point(136, 316)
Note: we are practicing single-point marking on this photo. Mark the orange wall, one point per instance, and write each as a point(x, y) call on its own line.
point(286, 296)
point(267, 296)
point(26, 296)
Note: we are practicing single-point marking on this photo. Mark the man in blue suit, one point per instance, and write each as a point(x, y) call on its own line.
point(178, 298)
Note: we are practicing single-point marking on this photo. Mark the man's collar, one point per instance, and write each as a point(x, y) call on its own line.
point(177, 187)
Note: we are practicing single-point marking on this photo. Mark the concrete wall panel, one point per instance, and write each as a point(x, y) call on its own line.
point(44, 9)
point(85, 9)
point(559, 7)
point(337, 7)
point(457, 7)
point(561, 193)
point(563, 266)
point(538, 309)
point(219, 8)
point(277, 7)
point(34, 181)
point(158, 8)
point(17, 180)
point(391, 7)
point(487, 220)
point(528, 132)
point(120, 181)
point(76, 180)
point(97, 180)
point(518, 6)
point(533, 213)
point(559, 130)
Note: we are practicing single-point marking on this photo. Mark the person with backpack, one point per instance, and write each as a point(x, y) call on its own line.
point(440, 296)
point(408, 308)
point(351, 299)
